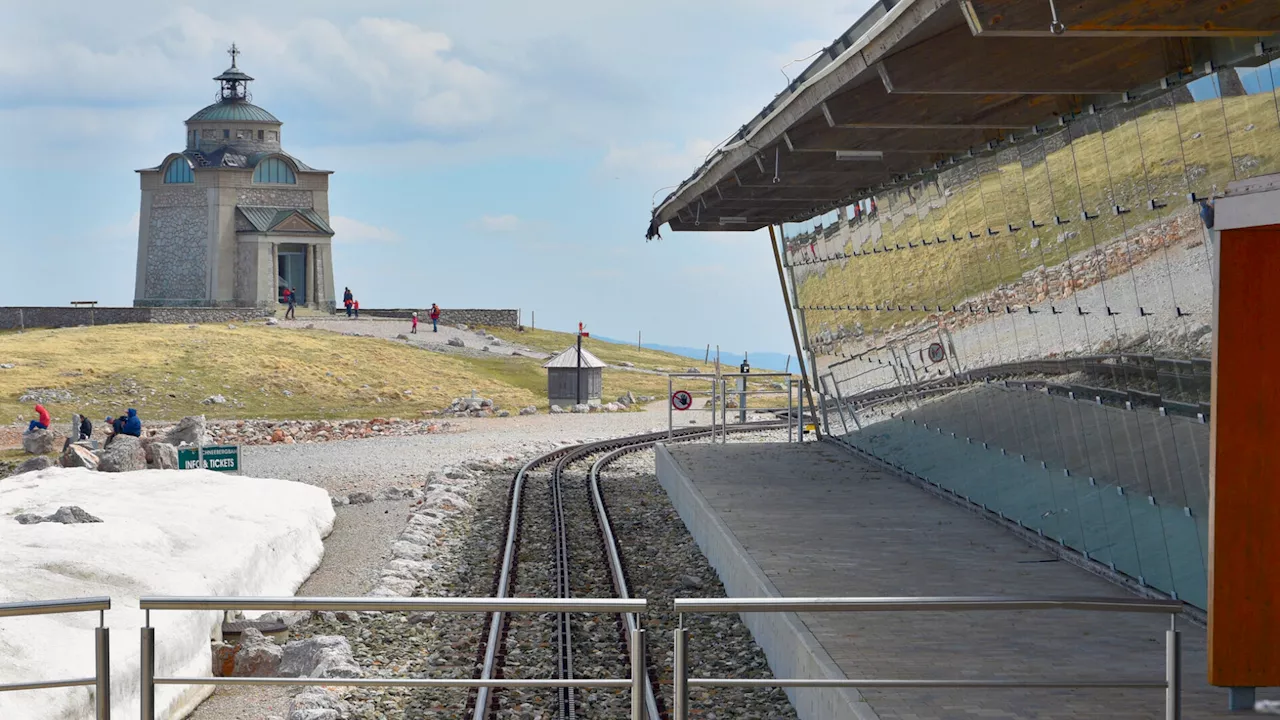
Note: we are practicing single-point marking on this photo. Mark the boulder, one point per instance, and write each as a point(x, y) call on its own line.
point(272, 321)
point(257, 656)
point(317, 703)
point(38, 442)
point(460, 326)
point(624, 363)
point(531, 410)
point(35, 464)
point(556, 410)
point(190, 430)
point(162, 456)
point(124, 454)
point(456, 342)
point(582, 408)
point(214, 400)
point(320, 656)
point(359, 498)
point(504, 413)
point(72, 515)
point(224, 659)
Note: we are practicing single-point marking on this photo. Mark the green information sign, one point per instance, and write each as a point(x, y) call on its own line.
point(223, 458)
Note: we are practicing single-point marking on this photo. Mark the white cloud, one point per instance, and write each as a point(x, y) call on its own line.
point(352, 232)
point(500, 223)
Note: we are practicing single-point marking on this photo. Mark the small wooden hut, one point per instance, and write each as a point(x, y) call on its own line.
point(562, 376)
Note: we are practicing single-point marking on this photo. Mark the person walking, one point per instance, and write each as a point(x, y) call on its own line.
point(42, 420)
point(356, 305)
point(346, 300)
point(292, 296)
point(435, 318)
point(414, 331)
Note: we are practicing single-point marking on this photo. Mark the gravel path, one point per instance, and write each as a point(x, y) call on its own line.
point(392, 329)
point(461, 561)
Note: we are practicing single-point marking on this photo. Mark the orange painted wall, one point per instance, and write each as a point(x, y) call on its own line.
point(1244, 502)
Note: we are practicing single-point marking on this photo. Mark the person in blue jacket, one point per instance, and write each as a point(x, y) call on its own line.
point(132, 424)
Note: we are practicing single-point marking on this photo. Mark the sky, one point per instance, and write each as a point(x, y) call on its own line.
point(486, 154)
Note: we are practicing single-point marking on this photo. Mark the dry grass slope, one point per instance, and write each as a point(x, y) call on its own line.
point(165, 371)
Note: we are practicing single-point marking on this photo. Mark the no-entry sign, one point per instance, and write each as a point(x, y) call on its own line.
point(681, 400)
point(937, 353)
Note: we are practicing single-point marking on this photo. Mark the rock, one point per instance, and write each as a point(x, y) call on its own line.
point(392, 493)
point(456, 342)
point(359, 498)
point(124, 454)
point(460, 326)
point(402, 336)
point(38, 442)
point(531, 410)
point(257, 656)
point(582, 408)
point(231, 327)
point(690, 582)
point(614, 407)
point(7, 366)
point(307, 703)
point(504, 413)
point(272, 321)
point(287, 393)
point(339, 500)
point(190, 430)
point(224, 659)
point(162, 456)
point(78, 456)
point(35, 464)
point(320, 656)
point(72, 515)
point(624, 363)
point(485, 348)
point(214, 400)
point(1199, 332)
point(556, 410)
point(28, 519)
point(625, 401)
point(691, 370)
point(277, 435)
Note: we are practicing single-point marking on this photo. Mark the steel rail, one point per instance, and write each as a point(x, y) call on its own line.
point(563, 457)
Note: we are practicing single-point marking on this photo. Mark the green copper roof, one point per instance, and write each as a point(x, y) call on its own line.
point(233, 111)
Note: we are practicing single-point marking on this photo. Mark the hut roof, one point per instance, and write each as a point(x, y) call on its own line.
point(568, 359)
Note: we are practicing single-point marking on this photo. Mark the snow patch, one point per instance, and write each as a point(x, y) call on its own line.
point(163, 532)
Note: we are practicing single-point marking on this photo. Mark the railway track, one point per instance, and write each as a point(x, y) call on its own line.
point(586, 561)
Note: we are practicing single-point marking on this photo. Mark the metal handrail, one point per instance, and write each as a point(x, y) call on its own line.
point(636, 682)
point(744, 392)
point(101, 680)
point(1172, 683)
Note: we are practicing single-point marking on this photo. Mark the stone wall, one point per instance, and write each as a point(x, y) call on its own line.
point(274, 197)
point(450, 316)
point(177, 246)
point(14, 318)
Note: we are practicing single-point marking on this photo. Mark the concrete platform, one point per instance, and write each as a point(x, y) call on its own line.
point(813, 520)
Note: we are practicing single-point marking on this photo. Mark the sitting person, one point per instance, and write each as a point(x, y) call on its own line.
point(42, 419)
point(132, 424)
point(86, 427)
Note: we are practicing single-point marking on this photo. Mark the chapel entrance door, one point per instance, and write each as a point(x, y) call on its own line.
point(292, 272)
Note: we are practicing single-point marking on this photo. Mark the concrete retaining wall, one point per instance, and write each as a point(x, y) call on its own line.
point(15, 318)
point(790, 647)
point(450, 316)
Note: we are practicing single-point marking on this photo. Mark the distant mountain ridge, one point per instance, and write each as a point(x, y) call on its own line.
point(759, 360)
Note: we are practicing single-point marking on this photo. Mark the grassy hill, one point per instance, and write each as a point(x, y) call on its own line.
point(166, 371)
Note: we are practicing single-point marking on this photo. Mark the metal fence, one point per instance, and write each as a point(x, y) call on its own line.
point(446, 605)
point(682, 682)
point(101, 680)
point(720, 392)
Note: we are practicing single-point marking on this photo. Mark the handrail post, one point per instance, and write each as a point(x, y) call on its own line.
point(102, 673)
point(1173, 671)
point(680, 676)
point(638, 676)
point(148, 674)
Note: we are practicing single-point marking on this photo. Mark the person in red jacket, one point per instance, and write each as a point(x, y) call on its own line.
point(42, 420)
point(435, 317)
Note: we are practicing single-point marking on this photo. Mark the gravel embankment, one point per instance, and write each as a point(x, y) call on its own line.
point(459, 551)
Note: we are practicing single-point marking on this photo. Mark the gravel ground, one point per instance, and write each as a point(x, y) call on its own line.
point(391, 329)
point(462, 562)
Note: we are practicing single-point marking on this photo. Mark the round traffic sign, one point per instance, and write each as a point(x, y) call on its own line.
point(937, 353)
point(681, 400)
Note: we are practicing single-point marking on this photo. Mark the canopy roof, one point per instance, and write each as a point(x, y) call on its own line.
point(918, 84)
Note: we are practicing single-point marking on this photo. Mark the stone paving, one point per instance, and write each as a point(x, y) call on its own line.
point(819, 521)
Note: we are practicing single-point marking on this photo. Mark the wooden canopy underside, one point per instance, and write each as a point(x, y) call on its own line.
point(945, 79)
